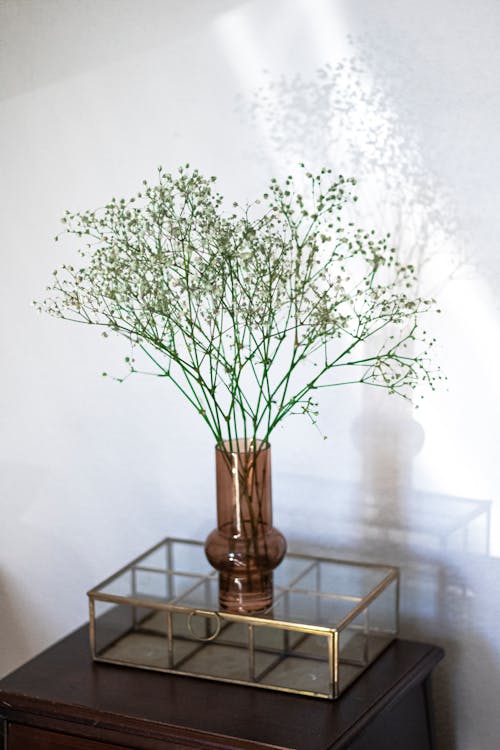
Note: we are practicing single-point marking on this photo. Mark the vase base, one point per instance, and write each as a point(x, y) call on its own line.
point(246, 594)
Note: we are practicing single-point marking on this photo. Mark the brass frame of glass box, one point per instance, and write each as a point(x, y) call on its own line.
point(254, 625)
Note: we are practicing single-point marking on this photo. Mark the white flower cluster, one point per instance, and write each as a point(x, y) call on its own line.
point(247, 312)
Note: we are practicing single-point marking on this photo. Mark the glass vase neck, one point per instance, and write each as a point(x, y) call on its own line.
point(238, 446)
point(243, 478)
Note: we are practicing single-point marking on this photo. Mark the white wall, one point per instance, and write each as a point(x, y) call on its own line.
point(93, 96)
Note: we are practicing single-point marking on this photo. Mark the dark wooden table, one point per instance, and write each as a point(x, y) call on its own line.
point(61, 700)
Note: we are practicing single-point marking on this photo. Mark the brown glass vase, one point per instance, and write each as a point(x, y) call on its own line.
point(245, 547)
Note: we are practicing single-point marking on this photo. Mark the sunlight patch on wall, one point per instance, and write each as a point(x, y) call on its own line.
point(326, 30)
point(255, 58)
point(240, 46)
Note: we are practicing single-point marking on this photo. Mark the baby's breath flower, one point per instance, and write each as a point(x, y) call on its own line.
point(236, 308)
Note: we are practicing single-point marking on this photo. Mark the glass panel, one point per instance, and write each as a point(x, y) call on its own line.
point(290, 569)
point(344, 579)
point(152, 585)
point(161, 587)
point(141, 649)
point(190, 558)
point(111, 622)
point(227, 662)
point(353, 641)
point(366, 637)
point(382, 612)
point(311, 609)
point(204, 596)
point(296, 661)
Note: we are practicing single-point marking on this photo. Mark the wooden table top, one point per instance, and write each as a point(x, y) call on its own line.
point(64, 683)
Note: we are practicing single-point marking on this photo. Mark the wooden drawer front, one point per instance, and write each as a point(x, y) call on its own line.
point(24, 737)
point(27, 738)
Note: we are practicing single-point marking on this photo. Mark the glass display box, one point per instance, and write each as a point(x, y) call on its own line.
point(329, 621)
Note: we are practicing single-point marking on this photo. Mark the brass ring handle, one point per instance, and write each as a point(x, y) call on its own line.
point(214, 615)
